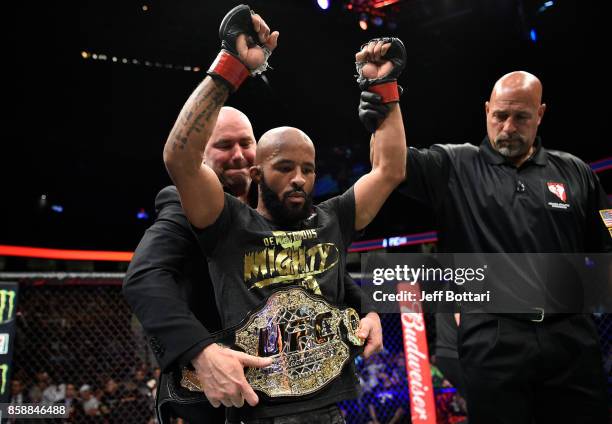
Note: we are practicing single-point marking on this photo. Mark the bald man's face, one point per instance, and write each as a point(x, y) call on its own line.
point(287, 178)
point(230, 151)
point(513, 117)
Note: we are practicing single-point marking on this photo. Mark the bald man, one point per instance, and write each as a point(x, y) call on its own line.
point(167, 283)
point(511, 195)
point(286, 250)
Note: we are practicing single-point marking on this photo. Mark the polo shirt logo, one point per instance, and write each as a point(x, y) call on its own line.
point(558, 189)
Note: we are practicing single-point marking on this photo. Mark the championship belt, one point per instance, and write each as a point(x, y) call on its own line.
point(309, 339)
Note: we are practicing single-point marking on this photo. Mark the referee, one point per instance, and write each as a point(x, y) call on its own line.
point(512, 195)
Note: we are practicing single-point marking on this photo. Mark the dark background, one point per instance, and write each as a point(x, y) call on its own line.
point(89, 134)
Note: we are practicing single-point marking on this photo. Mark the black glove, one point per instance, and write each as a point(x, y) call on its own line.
point(379, 92)
point(372, 110)
point(237, 21)
point(227, 67)
point(396, 54)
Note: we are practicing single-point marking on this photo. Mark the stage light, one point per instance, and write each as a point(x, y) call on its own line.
point(323, 4)
point(533, 35)
point(363, 21)
point(377, 21)
point(138, 62)
point(145, 7)
point(142, 214)
point(57, 208)
point(545, 6)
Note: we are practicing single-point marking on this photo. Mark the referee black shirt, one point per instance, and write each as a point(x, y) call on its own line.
point(483, 203)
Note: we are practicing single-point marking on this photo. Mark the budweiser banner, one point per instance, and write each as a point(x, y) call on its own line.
point(422, 404)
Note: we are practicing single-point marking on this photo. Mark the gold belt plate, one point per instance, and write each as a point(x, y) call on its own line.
point(307, 337)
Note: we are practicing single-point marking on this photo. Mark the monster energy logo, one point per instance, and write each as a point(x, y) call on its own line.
point(7, 303)
point(4, 370)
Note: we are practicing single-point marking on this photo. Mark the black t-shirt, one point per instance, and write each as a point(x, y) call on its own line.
point(250, 256)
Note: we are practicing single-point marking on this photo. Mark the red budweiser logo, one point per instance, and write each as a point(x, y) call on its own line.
point(416, 352)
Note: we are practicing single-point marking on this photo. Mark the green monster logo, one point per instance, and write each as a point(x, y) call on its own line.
point(7, 298)
point(4, 369)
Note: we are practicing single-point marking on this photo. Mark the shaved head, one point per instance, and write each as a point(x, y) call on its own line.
point(518, 83)
point(276, 140)
point(285, 171)
point(514, 112)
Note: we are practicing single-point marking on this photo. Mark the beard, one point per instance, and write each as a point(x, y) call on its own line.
point(279, 210)
point(513, 146)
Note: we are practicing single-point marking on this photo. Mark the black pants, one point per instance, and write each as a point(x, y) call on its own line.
point(327, 415)
point(523, 372)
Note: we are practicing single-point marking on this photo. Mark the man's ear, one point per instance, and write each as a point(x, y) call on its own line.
point(255, 172)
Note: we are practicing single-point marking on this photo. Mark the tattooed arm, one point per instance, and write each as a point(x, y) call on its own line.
point(199, 187)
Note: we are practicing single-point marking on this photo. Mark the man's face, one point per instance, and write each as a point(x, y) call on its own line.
point(42, 376)
point(16, 387)
point(111, 386)
point(287, 181)
point(512, 122)
point(230, 151)
point(70, 391)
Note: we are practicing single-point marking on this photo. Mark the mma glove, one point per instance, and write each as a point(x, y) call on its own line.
point(228, 67)
point(378, 93)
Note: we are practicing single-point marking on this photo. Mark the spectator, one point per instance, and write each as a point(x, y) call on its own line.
point(90, 404)
point(53, 393)
point(141, 384)
point(110, 398)
point(17, 393)
point(70, 400)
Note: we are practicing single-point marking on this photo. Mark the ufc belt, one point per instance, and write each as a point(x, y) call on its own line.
point(309, 339)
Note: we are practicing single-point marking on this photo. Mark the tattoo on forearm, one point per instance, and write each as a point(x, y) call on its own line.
point(207, 101)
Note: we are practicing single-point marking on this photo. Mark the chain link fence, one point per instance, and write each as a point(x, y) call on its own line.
point(78, 343)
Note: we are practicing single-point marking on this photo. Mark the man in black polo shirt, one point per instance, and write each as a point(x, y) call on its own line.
point(511, 195)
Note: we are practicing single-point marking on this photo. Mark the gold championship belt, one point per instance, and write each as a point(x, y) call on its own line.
point(309, 339)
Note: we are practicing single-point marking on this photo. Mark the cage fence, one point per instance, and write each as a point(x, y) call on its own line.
point(76, 338)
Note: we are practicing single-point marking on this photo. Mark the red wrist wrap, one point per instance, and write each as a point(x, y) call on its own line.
point(388, 91)
point(230, 69)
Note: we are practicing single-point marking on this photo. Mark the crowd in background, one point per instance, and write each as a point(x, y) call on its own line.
point(104, 401)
